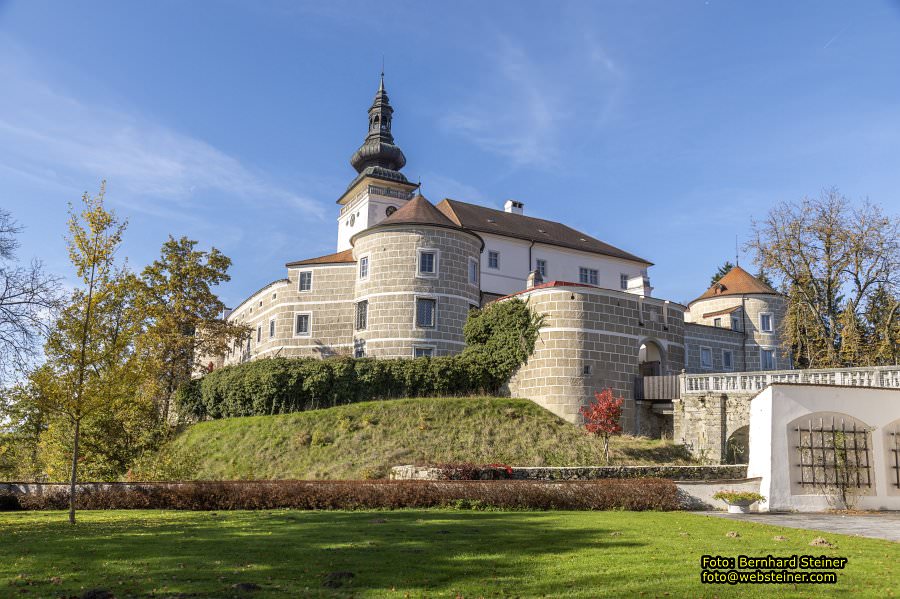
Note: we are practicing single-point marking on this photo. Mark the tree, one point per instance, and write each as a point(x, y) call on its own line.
point(883, 316)
point(602, 416)
point(89, 333)
point(185, 315)
point(28, 296)
point(832, 257)
point(723, 270)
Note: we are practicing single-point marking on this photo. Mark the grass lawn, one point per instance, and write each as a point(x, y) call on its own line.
point(364, 440)
point(416, 553)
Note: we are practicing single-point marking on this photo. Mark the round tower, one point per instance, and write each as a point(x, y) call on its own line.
point(417, 278)
point(741, 303)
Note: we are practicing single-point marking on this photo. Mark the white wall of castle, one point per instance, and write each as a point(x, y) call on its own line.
point(563, 264)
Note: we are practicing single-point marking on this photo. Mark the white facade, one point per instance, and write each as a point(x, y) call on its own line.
point(774, 415)
point(367, 206)
point(562, 264)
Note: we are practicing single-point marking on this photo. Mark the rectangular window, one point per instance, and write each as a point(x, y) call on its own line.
point(587, 276)
point(271, 328)
point(717, 322)
point(767, 359)
point(362, 315)
point(542, 268)
point(306, 281)
point(364, 267)
point(705, 357)
point(425, 309)
point(427, 262)
point(359, 348)
point(765, 323)
point(473, 271)
point(727, 359)
point(493, 259)
point(423, 352)
point(735, 324)
point(623, 281)
point(301, 325)
point(259, 333)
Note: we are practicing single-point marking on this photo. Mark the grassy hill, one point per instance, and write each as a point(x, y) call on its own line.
point(364, 440)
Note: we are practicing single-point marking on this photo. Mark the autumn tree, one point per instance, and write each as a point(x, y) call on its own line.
point(602, 417)
point(833, 258)
point(28, 296)
point(184, 314)
point(90, 332)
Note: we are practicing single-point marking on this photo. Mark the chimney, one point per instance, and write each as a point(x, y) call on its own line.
point(514, 207)
point(534, 278)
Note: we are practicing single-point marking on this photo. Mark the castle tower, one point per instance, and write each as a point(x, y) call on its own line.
point(417, 279)
point(379, 188)
point(752, 311)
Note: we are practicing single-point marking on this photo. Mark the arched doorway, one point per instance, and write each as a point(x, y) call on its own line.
point(737, 448)
point(650, 359)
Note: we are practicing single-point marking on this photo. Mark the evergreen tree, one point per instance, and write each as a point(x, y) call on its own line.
point(721, 272)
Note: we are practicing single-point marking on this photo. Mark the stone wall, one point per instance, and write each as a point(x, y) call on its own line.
point(329, 304)
point(704, 473)
point(590, 341)
point(697, 336)
point(393, 284)
point(704, 422)
point(750, 307)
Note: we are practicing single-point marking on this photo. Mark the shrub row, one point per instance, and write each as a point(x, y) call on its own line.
point(282, 385)
point(639, 495)
point(499, 339)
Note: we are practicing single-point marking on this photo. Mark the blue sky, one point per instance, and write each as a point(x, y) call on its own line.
point(660, 127)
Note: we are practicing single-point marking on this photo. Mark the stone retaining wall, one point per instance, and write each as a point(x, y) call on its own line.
point(681, 473)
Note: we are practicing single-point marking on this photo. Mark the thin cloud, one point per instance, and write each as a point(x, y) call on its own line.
point(50, 136)
point(527, 111)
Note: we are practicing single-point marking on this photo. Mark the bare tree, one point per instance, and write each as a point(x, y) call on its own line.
point(831, 257)
point(28, 296)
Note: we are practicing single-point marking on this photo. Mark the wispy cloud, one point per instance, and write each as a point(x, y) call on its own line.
point(49, 136)
point(526, 109)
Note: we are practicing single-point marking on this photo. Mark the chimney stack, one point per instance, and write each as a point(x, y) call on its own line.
point(514, 207)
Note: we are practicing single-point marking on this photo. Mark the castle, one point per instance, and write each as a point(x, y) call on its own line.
point(406, 273)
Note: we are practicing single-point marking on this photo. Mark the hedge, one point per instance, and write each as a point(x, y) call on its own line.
point(499, 339)
point(640, 494)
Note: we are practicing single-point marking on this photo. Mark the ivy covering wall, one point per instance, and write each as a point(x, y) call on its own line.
point(499, 339)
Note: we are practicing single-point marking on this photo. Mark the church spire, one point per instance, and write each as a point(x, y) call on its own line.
point(378, 156)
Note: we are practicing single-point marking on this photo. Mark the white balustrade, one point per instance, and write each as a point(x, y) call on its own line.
point(875, 376)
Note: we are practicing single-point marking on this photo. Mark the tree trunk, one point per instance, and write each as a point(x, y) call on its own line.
point(606, 448)
point(74, 478)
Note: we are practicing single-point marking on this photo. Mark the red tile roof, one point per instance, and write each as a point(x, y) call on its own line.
point(345, 257)
point(488, 220)
point(736, 281)
point(721, 312)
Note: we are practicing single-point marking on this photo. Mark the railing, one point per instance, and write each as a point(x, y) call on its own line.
point(657, 388)
point(875, 376)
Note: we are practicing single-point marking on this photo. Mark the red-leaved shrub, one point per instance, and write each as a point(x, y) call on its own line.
point(632, 494)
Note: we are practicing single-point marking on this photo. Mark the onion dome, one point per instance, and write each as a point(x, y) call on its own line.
point(378, 156)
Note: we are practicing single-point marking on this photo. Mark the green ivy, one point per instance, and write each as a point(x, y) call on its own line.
point(499, 339)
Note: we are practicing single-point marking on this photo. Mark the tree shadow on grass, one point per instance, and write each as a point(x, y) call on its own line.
point(290, 553)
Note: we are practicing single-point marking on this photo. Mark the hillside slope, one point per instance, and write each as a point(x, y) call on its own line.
point(364, 440)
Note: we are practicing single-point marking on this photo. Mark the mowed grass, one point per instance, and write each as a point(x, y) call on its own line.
point(422, 553)
point(364, 440)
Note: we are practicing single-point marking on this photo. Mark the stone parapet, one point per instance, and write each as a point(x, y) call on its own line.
point(681, 473)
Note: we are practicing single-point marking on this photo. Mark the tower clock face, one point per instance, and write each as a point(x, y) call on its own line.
point(390, 210)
